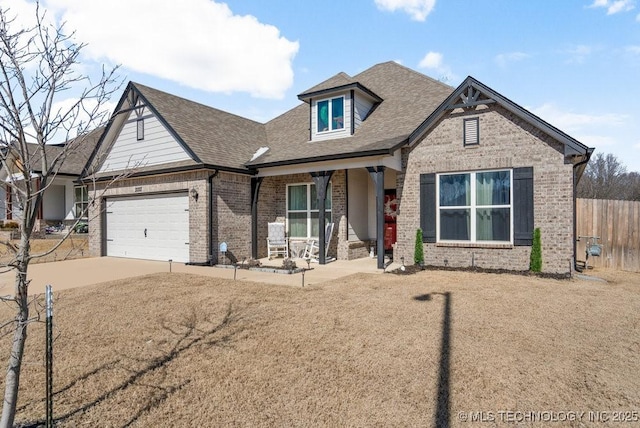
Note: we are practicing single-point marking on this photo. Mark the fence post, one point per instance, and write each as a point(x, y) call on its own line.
point(49, 356)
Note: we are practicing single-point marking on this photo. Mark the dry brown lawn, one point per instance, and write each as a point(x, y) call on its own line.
point(174, 350)
point(74, 247)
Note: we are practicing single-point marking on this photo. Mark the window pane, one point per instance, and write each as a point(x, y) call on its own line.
point(493, 188)
point(298, 225)
point(297, 197)
point(493, 224)
point(455, 190)
point(455, 225)
point(81, 210)
point(337, 113)
point(315, 228)
point(323, 116)
point(314, 198)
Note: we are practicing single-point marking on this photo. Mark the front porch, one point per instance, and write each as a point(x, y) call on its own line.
point(357, 200)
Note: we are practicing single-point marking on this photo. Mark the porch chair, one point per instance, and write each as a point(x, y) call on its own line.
point(312, 251)
point(277, 242)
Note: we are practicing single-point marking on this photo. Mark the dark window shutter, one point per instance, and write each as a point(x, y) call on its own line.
point(523, 206)
point(428, 207)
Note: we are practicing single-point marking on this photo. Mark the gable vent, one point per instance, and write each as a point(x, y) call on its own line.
point(471, 132)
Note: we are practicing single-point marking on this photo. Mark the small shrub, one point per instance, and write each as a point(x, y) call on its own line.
point(251, 263)
point(535, 264)
point(288, 264)
point(10, 225)
point(418, 254)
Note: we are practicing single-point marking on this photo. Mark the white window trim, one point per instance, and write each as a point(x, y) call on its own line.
point(85, 192)
point(330, 104)
point(308, 211)
point(473, 208)
point(140, 129)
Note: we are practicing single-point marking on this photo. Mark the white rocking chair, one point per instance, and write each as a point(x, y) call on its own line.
point(277, 242)
point(312, 251)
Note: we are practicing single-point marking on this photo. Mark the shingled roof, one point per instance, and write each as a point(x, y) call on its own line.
point(217, 138)
point(408, 98)
point(76, 153)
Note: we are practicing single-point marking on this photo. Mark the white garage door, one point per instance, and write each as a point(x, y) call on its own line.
point(149, 227)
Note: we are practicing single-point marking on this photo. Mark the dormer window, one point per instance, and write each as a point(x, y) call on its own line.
point(331, 114)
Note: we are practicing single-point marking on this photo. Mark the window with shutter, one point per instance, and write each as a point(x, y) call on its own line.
point(483, 206)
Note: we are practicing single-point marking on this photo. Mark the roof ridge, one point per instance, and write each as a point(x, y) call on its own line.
point(404, 67)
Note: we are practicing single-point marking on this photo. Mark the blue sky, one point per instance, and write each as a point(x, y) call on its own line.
point(575, 63)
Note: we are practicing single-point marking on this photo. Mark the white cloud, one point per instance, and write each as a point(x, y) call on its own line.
point(570, 121)
point(417, 9)
point(434, 62)
point(197, 43)
point(598, 141)
point(615, 6)
point(579, 53)
point(505, 58)
point(633, 49)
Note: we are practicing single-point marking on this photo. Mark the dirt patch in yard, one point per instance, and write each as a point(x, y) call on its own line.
point(433, 348)
point(74, 247)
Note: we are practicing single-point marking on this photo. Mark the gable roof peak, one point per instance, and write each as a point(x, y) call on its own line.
point(396, 67)
point(339, 80)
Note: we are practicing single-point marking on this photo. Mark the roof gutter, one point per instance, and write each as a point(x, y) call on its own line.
point(587, 156)
point(175, 170)
point(211, 249)
point(328, 157)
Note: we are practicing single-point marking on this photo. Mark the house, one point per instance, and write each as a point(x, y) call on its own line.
point(380, 154)
point(65, 199)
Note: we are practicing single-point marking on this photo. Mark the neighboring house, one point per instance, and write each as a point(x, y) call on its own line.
point(379, 154)
point(65, 199)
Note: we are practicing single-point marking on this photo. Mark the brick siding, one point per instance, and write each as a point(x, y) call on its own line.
point(505, 142)
point(231, 205)
point(272, 206)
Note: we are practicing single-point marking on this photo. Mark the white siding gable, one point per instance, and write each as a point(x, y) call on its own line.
point(330, 135)
point(362, 107)
point(156, 148)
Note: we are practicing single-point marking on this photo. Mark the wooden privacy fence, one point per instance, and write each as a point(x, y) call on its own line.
point(617, 223)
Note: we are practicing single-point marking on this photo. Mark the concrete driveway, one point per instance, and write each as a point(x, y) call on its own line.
point(88, 271)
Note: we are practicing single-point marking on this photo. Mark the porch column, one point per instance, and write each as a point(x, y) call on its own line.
point(255, 191)
point(321, 180)
point(377, 175)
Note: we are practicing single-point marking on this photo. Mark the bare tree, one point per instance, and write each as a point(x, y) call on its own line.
point(38, 67)
point(607, 178)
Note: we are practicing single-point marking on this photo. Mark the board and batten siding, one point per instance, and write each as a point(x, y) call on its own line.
point(158, 146)
point(330, 135)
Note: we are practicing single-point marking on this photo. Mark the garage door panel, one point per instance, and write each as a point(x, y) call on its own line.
point(164, 218)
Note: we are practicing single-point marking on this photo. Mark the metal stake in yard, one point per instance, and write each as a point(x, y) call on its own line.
point(170, 260)
point(49, 355)
point(303, 271)
point(235, 268)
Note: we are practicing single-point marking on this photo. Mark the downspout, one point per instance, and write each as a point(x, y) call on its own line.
point(575, 205)
point(211, 249)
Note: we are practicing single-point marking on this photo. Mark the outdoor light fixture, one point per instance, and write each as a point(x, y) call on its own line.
point(194, 193)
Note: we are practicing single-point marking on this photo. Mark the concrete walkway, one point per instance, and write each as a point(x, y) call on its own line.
point(88, 271)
